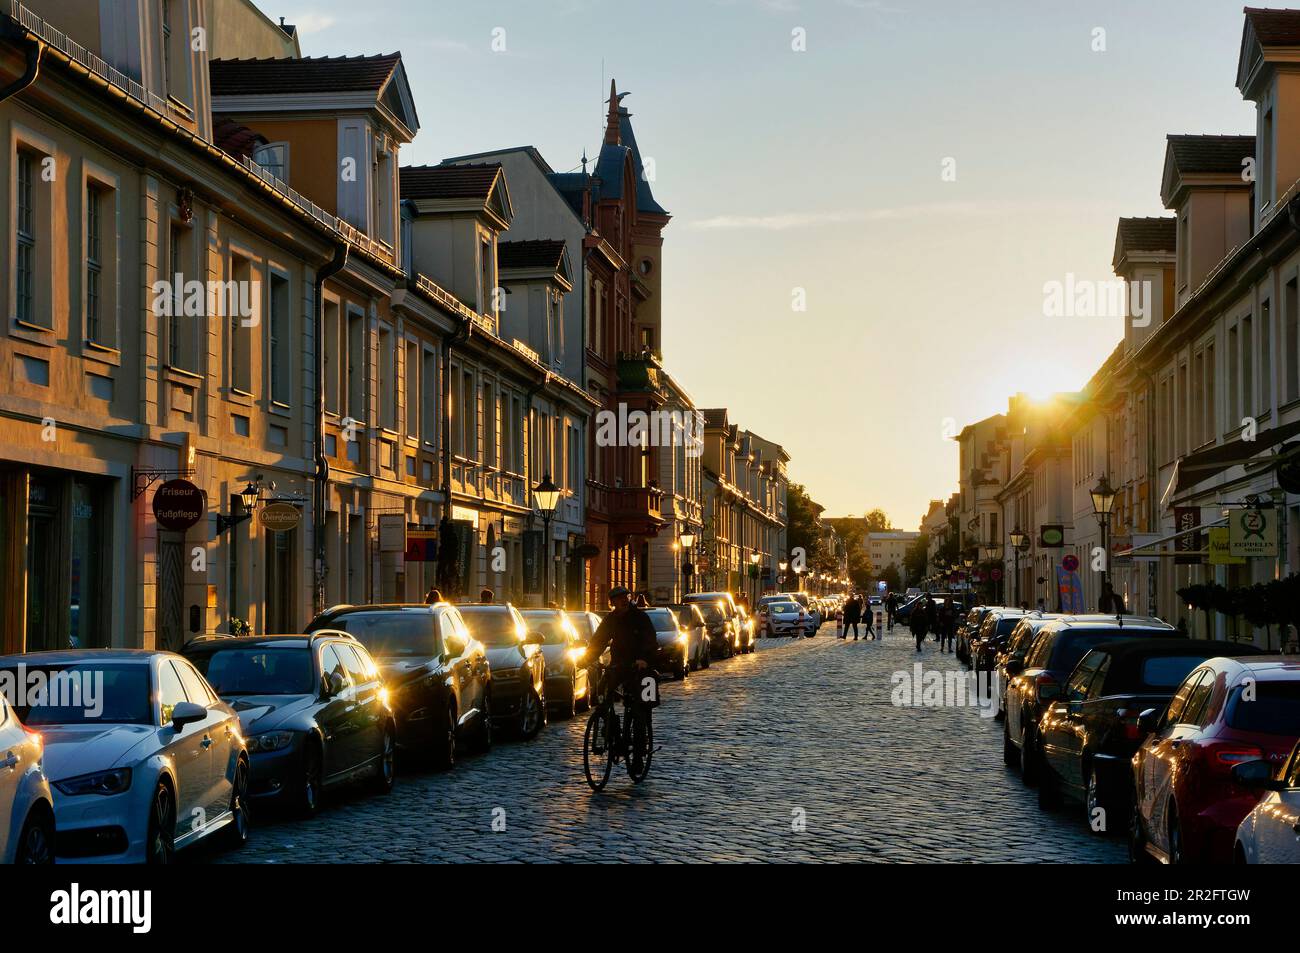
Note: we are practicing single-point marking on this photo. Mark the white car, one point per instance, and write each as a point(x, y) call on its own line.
point(783, 618)
point(1270, 834)
point(143, 758)
point(26, 806)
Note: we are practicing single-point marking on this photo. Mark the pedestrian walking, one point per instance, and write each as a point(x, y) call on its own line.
point(944, 625)
point(919, 621)
point(891, 606)
point(852, 614)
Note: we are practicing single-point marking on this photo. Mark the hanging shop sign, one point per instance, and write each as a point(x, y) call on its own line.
point(280, 517)
point(178, 505)
point(1052, 535)
point(392, 532)
point(1187, 548)
point(1220, 548)
point(1252, 533)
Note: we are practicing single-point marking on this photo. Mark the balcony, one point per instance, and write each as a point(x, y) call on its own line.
point(631, 510)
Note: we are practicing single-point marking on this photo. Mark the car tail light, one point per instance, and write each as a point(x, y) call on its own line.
point(1228, 756)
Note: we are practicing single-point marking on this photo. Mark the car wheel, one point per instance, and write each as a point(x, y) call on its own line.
point(241, 820)
point(444, 741)
point(309, 788)
point(161, 837)
point(706, 657)
point(1028, 764)
point(1177, 855)
point(386, 773)
point(1097, 804)
point(1137, 841)
point(483, 730)
point(36, 843)
point(530, 715)
point(1010, 756)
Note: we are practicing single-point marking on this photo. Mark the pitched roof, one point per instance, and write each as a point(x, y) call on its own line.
point(532, 253)
point(714, 416)
point(1210, 154)
point(1275, 27)
point(1147, 234)
point(449, 181)
point(309, 74)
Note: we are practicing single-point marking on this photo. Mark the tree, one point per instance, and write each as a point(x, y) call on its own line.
point(804, 530)
point(853, 531)
point(877, 522)
point(914, 560)
point(891, 578)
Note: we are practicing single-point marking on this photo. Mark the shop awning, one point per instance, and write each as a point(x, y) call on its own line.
point(1203, 464)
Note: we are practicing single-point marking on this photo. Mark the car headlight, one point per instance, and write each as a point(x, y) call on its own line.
point(101, 782)
point(270, 741)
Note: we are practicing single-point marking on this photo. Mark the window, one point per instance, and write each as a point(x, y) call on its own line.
point(1234, 378)
point(331, 332)
point(485, 284)
point(1291, 318)
point(489, 426)
point(273, 158)
point(387, 383)
point(1174, 714)
point(195, 689)
point(429, 415)
point(181, 330)
point(1265, 357)
point(1184, 251)
point(412, 404)
point(1198, 700)
point(170, 692)
point(468, 416)
point(167, 46)
point(25, 277)
point(1266, 159)
point(241, 326)
point(331, 664)
point(356, 367)
point(281, 342)
point(1211, 408)
point(94, 262)
point(1248, 402)
point(1180, 417)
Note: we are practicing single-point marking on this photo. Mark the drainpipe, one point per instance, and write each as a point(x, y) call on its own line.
point(35, 51)
point(320, 484)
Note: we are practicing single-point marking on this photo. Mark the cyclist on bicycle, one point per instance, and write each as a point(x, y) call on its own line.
point(630, 636)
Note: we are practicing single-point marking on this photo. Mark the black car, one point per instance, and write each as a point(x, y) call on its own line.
point(435, 671)
point(313, 709)
point(568, 680)
point(674, 654)
point(518, 667)
point(1087, 739)
point(967, 629)
point(690, 618)
point(1017, 647)
point(1038, 681)
point(724, 641)
point(995, 631)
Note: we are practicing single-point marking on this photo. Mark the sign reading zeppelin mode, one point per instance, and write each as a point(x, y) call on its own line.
point(178, 505)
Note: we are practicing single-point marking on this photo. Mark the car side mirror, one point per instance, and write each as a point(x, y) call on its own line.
point(186, 713)
point(534, 638)
point(1256, 775)
point(1149, 721)
point(1014, 667)
point(334, 684)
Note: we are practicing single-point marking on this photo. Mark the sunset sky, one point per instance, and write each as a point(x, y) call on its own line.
point(821, 170)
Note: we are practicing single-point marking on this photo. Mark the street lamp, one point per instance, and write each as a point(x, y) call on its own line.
point(547, 497)
point(1019, 543)
point(1103, 500)
point(754, 557)
point(687, 539)
point(781, 567)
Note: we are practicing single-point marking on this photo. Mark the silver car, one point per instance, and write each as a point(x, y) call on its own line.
point(144, 758)
point(26, 805)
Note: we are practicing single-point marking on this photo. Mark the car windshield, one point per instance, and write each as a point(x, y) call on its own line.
point(1273, 710)
point(257, 670)
point(492, 625)
point(712, 612)
point(391, 634)
point(1073, 646)
point(78, 693)
point(783, 607)
point(582, 622)
point(550, 624)
point(663, 620)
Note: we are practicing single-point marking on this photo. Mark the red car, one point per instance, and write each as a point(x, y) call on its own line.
point(1227, 711)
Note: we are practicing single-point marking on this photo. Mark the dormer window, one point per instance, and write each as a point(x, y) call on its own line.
point(273, 158)
point(167, 46)
point(1265, 180)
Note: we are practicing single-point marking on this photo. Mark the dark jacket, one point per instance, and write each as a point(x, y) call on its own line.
point(630, 637)
point(852, 611)
point(919, 620)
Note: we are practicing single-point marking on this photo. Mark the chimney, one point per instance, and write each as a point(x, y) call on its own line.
point(612, 135)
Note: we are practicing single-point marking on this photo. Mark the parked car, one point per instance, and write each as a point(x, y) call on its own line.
point(692, 621)
point(312, 709)
point(158, 764)
point(585, 623)
point(967, 628)
point(1017, 646)
point(779, 618)
point(1270, 834)
point(435, 672)
point(747, 629)
point(674, 654)
point(1038, 680)
point(724, 640)
point(26, 805)
point(1188, 803)
point(568, 682)
point(516, 665)
point(1088, 737)
point(729, 606)
point(994, 634)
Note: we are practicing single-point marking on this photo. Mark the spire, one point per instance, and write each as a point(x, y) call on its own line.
point(612, 135)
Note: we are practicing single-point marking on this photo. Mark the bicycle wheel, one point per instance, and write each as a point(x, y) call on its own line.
point(640, 731)
point(597, 747)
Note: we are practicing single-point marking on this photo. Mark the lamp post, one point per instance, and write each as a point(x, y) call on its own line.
point(1103, 500)
point(242, 505)
point(687, 539)
point(968, 563)
point(547, 497)
point(1019, 543)
point(781, 567)
point(754, 557)
point(991, 553)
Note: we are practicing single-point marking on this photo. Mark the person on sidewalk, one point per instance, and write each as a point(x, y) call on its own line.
point(891, 606)
point(919, 621)
point(852, 615)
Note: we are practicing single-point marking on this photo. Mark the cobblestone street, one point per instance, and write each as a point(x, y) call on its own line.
point(799, 730)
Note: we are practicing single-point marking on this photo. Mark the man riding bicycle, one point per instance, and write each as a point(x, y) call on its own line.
point(630, 636)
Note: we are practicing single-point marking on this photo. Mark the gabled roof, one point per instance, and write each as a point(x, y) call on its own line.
point(449, 181)
point(1210, 160)
point(310, 74)
point(1264, 30)
point(715, 417)
point(1150, 235)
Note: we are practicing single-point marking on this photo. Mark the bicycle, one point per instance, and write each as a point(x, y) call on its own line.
point(609, 739)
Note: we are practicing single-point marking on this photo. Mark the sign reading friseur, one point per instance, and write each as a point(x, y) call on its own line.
point(178, 505)
point(280, 517)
